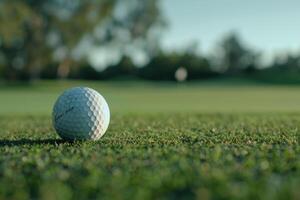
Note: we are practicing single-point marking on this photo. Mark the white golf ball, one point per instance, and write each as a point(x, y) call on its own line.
point(81, 113)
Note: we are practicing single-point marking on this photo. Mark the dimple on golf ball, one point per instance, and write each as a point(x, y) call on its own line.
point(81, 113)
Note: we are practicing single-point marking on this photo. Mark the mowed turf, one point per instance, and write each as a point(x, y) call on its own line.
point(195, 146)
point(143, 97)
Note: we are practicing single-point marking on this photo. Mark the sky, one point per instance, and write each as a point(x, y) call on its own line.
point(271, 26)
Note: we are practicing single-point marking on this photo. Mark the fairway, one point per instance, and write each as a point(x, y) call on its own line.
point(145, 97)
point(165, 141)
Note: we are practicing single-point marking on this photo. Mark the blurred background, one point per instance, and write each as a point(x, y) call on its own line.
point(118, 43)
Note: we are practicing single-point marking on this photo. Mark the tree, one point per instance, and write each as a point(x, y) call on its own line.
point(164, 66)
point(285, 69)
point(27, 28)
point(125, 68)
point(34, 33)
point(234, 57)
point(290, 63)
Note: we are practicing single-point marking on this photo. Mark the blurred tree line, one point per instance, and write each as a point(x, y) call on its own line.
point(53, 39)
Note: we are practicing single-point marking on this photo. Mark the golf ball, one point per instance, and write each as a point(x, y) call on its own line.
point(81, 113)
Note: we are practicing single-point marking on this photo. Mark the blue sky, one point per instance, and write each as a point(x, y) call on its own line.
point(271, 26)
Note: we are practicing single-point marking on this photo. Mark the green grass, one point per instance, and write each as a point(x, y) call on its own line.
point(165, 141)
point(142, 97)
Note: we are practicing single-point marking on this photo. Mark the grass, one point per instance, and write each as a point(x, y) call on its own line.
point(165, 141)
point(143, 97)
